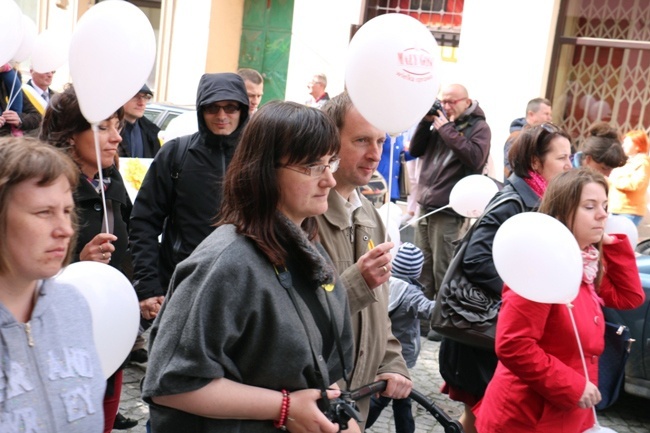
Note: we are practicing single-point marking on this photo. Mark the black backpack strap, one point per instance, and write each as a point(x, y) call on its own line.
point(180, 153)
point(178, 159)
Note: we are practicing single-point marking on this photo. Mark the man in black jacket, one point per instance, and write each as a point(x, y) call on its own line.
point(452, 144)
point(181, 193)
point(139, 135)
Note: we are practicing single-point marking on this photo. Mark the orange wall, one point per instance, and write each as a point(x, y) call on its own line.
point(225, 34)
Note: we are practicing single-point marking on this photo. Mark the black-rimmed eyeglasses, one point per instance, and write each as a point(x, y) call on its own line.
point(144, 96)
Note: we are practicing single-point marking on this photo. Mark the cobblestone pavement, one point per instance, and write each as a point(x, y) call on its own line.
point(628, 415)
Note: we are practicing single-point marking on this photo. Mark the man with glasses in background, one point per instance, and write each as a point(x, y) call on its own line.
point(451, 143)
point(319, 96)
point(181, 192)
point(139, 135)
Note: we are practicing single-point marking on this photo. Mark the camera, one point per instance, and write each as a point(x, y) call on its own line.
point(341, 409)
point(437, 106)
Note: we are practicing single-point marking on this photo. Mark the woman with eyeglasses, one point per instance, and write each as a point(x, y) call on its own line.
point(602, 149)
point(540, 384)
point(537, 156)
point(255, 328)
point(65, 127)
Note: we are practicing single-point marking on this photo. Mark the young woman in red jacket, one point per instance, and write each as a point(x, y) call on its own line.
point(539, 384)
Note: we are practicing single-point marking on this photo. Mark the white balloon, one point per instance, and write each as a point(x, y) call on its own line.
point(538, 257)
point(28, 40)
point(471, 194)
point(112, 53)
point(11, 30)
point(617, 224)
point(50, 51)
point(391, 214)
point(392, 71)
point(114, 308)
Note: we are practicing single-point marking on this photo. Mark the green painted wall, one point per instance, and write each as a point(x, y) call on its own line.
point(266, 41)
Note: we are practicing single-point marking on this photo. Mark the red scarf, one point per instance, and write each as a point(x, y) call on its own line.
point(536, 182)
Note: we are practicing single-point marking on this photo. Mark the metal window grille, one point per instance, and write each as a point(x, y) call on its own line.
point(601, 65)
point(443, 17)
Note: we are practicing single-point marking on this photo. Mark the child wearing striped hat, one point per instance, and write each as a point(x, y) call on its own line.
point(407, 305)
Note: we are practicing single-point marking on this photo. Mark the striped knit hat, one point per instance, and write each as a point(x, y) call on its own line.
point(408, 261)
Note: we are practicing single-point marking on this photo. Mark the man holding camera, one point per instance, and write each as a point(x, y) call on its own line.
point(452, 143)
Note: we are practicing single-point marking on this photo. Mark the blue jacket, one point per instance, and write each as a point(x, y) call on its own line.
point(384, 164)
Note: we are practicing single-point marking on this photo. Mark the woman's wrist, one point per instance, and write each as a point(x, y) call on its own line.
point(281, 423)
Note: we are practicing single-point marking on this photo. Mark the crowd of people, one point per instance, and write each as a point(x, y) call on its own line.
point(265, 276)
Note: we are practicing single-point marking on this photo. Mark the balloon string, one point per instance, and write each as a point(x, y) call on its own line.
point(582, 354)
point(424, 216)
point(95, 128)
point(13, 95)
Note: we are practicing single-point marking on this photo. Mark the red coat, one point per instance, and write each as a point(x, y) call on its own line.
point(540, 378)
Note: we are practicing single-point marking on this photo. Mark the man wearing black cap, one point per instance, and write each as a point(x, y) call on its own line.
point(139, 135)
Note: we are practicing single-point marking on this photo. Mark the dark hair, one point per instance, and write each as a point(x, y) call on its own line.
point(63, 119)
point(604, 145)
point(278, 130)
point(337, 108)
point(562, 198)
point(533, 143)
point(24, 159)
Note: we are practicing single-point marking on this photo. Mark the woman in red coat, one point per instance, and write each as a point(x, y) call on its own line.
point(539, 384)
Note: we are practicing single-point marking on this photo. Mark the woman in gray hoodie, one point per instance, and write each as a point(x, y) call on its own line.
point(50, 375)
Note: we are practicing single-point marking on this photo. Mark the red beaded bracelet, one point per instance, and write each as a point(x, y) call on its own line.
point(284, 411)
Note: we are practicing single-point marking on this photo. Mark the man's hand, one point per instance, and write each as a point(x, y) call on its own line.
point(440, 120)
point(397, 386)
point(12, 118)
point(375, 265)
point(150, 307)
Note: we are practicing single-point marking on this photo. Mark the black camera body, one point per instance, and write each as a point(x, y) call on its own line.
point(342, 409)
point(437, 106)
